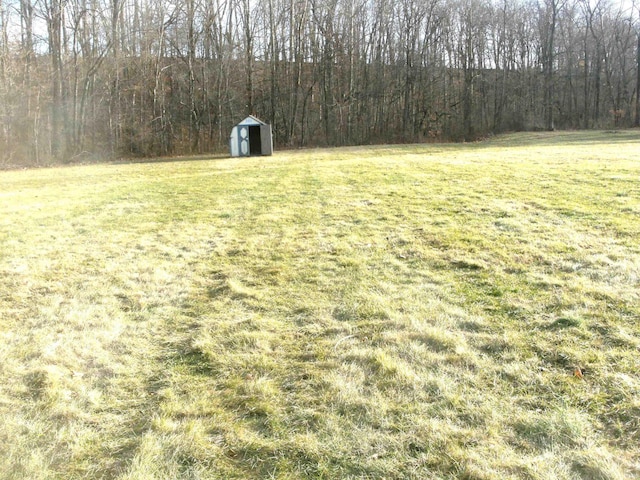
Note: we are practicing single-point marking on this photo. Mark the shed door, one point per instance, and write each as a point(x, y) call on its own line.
point(267, 141)
point(243, 139)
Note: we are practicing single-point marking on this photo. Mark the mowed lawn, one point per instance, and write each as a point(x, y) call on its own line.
point(404, 312)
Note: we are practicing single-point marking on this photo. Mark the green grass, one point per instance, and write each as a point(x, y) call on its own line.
point(386, 312)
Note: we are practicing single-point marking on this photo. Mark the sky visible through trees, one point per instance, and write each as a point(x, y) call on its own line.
point(85, 79)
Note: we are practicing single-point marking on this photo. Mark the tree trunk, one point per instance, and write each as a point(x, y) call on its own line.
point(4, 96)
point(248, 46)
point(637, 119)
point(114, 103)
point(194, 120)
point(548, 64)
point(54, 30)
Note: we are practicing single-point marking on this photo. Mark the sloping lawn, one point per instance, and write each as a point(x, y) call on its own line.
point(411, 312)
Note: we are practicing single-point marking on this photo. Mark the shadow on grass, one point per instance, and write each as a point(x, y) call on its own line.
point(565, 138)
point(188, 158)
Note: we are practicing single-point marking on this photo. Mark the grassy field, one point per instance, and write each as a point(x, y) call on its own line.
point(412, 312)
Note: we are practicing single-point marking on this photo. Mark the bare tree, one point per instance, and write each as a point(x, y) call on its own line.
point(548, 18)
point(4, 78)
point(246, 23)
point(636, 121)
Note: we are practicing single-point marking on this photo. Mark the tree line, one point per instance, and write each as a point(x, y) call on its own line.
point(82, 79)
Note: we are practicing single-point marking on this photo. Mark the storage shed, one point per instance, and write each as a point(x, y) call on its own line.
point(251, 137)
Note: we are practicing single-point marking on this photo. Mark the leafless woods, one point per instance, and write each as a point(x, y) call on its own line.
point(104, 78)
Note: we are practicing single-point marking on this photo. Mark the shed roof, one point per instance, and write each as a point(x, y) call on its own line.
point(251, 120)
